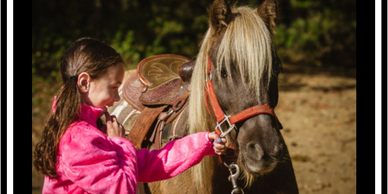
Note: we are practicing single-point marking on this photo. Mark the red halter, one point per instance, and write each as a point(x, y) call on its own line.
point(231, 120)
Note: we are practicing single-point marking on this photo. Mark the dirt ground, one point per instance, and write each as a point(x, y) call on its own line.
point(318, 114)
point(317, 109)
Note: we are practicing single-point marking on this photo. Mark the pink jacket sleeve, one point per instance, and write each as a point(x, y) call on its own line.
point(97, 163)
point(176, 157)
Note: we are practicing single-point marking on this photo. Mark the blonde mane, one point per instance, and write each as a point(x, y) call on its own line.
point(246, 43)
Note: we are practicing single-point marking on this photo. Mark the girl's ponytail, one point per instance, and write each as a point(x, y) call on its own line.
point(66, 108)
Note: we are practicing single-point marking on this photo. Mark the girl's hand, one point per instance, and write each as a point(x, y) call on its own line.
point(113, 127)
point(218, 143)
point(103, 129)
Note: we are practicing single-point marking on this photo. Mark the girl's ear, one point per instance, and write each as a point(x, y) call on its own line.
point(83, 82)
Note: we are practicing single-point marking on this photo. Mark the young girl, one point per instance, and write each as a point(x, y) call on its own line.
point(78, 155)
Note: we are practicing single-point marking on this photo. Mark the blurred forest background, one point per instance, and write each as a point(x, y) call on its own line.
point(318, 34)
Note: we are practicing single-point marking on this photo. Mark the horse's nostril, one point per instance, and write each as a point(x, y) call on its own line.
point(255, 151)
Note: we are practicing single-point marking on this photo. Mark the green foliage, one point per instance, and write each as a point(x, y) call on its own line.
point(320, 36)
point(318, 33)
point(124, 45)
point(305, 40)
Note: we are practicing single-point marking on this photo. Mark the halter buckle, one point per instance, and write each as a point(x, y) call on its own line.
point(210, 77)
point(231, 126)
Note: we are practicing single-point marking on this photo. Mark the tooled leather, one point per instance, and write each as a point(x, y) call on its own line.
point(152, 97)
point(157, 70)
point(168, 93)
point(159, 75)
point(132, 91)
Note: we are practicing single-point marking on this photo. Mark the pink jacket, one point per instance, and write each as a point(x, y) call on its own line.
point(88, 161)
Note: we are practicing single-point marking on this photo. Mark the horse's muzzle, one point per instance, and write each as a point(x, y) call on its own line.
point(260, 145)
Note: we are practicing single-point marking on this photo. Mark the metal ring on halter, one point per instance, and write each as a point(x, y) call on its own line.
point(223, 134)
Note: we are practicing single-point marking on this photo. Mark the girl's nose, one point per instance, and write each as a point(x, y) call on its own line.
point(117, 97)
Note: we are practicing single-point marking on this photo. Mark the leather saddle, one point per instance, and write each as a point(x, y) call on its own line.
point(159, 90)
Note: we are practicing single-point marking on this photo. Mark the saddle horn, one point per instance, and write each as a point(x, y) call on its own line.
point(186, 70)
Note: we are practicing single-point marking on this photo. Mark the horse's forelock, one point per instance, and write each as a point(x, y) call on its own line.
point(247, 44)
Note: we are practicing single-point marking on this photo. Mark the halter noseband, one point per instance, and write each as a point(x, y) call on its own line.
point(231, 120)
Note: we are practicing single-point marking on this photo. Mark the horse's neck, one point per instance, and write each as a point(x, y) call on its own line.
point(183, 121)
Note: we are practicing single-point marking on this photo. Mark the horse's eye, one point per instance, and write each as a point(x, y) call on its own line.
point(223, 73)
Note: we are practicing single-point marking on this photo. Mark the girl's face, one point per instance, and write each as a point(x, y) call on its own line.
point(104, 90)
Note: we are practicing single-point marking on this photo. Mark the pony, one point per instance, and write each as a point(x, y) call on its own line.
point(237, 55)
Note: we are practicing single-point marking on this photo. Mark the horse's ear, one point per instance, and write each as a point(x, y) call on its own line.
point(267, 12)
point(220, 15)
